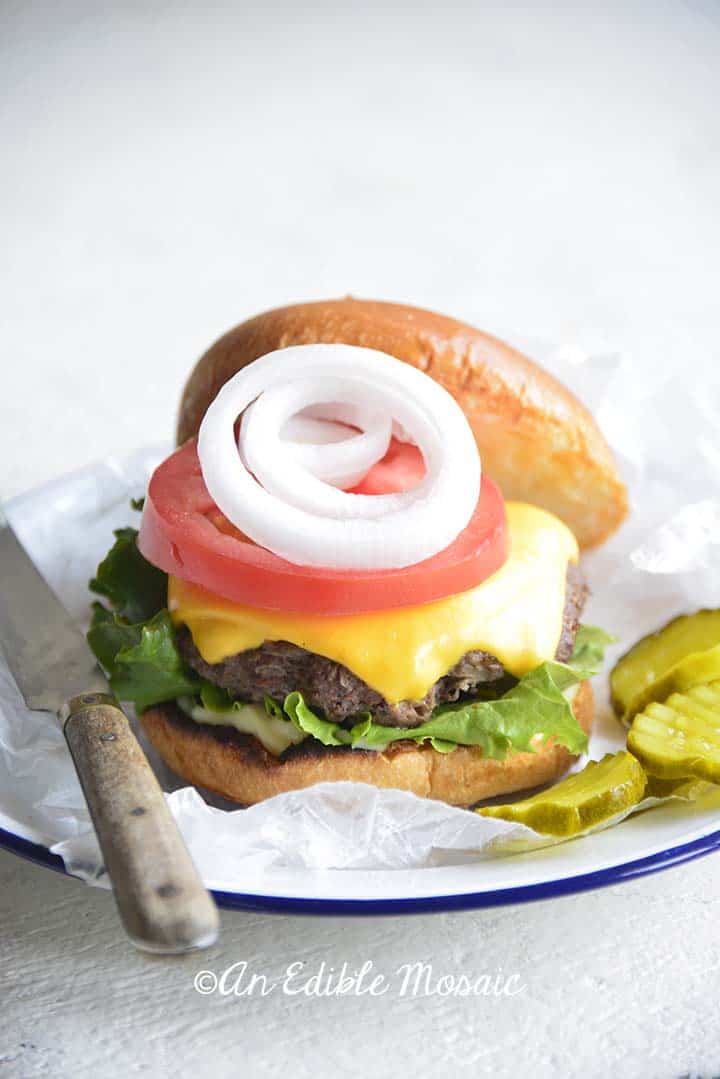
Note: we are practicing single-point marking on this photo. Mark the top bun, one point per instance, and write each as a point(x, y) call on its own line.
point(535, 438)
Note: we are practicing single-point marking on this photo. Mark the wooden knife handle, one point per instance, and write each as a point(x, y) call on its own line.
point(162, 902)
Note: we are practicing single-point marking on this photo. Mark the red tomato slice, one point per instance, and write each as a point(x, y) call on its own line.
point(402, 467)
point(183, 533)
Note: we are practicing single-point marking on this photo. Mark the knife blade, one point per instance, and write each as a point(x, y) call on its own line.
point(47, 655)
point(161, 900)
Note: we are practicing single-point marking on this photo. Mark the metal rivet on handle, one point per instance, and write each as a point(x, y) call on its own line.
point(167, 891)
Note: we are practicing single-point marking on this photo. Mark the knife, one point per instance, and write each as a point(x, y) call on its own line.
point(161, 900)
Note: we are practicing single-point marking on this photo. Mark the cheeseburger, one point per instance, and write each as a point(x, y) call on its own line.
point(361, 563)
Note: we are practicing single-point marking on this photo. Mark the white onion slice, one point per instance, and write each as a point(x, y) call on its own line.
point(323, 424)
point(305, 435)
point(347, 414)
point(304, 430)
point(335, 411)
point(299, 483)
point(332, 452)
point(299, 517)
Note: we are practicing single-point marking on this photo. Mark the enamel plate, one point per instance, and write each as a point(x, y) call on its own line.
point(65, 526)
point(644, 844)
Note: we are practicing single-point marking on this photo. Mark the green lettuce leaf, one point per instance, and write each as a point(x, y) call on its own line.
point(214, 698)
point(136, 589)
point(108, 635)
point(273, 709)
point(327, 732)
point(142, 660)
point(135, 642)
point(535, 706)
point(589, 649)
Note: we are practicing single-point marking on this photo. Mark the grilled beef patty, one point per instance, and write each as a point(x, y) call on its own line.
point(277, 668)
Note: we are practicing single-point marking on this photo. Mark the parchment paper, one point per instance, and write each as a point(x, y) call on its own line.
point(664, 424)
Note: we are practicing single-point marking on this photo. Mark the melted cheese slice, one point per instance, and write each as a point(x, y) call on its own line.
point(516, 615)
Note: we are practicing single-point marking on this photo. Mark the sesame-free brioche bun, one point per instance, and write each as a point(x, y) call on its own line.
point(237, 766)
point(535, 438)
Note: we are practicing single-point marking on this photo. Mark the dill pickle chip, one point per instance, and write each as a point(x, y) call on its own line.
point(682, 787)
point(601, 791)
point(695, 670)
point(680, 738)
point(653, 656)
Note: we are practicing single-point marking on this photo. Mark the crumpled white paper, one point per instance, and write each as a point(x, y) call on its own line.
point(665, 428)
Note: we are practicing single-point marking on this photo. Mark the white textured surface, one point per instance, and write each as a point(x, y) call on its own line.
point(167, 170)
point(620, 982)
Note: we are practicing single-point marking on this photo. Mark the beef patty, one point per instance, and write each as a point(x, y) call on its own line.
point(277, 668)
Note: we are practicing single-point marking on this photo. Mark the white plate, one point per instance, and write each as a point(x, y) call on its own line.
point(643, 844)
point(55, 523)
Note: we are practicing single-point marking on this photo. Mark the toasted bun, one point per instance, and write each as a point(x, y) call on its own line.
point(239, 768)
point(535, 438)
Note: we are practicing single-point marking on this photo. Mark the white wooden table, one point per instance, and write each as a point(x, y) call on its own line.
point(168, 171)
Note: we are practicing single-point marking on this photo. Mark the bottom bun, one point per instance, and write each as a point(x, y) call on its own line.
point(239, 768)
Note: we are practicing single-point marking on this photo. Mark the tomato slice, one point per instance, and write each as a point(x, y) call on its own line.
point(184, 533)
point(402, 467)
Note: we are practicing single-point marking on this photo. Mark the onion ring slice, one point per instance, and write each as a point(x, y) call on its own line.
point(279, 465)
point(308, 522)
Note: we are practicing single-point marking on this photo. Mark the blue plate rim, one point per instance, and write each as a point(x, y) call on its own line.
point(525, 893)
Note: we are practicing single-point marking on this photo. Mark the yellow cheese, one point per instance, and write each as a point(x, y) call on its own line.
point(516, 615)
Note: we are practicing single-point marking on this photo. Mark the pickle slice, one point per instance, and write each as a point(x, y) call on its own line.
point(697, 669)
point(688, 790)
point(601, 791)
point(654, 655)
point(681, 737)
